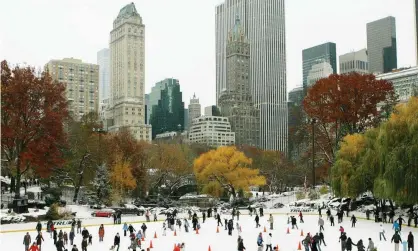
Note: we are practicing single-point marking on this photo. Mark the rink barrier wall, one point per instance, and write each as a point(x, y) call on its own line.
point(134, 222)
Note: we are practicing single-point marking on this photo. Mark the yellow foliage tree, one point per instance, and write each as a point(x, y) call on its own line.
point(122, 178)
point(228, 169)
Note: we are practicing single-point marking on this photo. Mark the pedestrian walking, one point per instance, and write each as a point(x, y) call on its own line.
point(396, 238)
point(353, 221)
point(268, 242)
point(39, 240)
point(321, 223)
point(257, 220)
point(382, 233)
point(116, 242)
point(27, 241)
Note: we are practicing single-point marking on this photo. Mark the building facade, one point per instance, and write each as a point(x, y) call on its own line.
point(296, 95)
point(195, 110)
point(168, 113)
point(81, 82)
point(212, 110)
point(236, 101)
point(186, 119)
point(405, 82)
point(127, 75)
point(324, 52)
point(381, 45)
point(214, 131)
point(103, 60)
point(321, 69)
point(354, 62)
point(155, 95)
point(263, 22)
point(297, 144)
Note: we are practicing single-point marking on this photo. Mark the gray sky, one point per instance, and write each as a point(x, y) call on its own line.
point(180, 34)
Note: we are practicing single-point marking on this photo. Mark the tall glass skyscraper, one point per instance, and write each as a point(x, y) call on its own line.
point(103, 60)
point(263, 22)
point(324, 52)
point(381, 45)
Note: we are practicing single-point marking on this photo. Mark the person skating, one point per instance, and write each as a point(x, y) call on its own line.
point(331, 219)
point(370, 246)
point(396, 238)
point(328, 213)
point(238, 213)
point(400, 221)
point(186, 225)
point(90, 239)
point(65, 238)
point(39, 227)
point(101, 233)
point(319, 211)
point(360, 246)
point(322, 238)
point(116, 241)
point(316, 242)
point(39, 240)
point(410, 241)
point(84, 244)
point(314, 245)
point(125, 228)
point(134, 244)
point(353, 221)
point(260, 242)
point(60, 245)
point(204, 217)
point(72, 235)
point(385, 216)
point(306, 242)
point(261, 210)
point(301, 217)
point(60, 234)
point(225, 223)
point(155, 216)
point(294, 223)
point(27, 240)
point(349, 244)
point(382, 233)
point(257, 220)
point(51, 230)
point(341, 230)
point(391, 216)
point(268, 242)
point(241, 246)
point(230, 226)
point(178, 223)
point(74, 248)
point(368, 214)
point(194, 222)
point(218, 218)
point(85, 233)
point(343, 239)
point(164, 229)
point(144, 229)
point(321, 223)
point(131, 229)
point(396, 226)
point(55, 236)
point(33, 247)
point(416, 220)
point(271, 221)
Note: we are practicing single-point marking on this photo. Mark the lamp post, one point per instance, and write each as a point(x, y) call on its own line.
point(313, 121)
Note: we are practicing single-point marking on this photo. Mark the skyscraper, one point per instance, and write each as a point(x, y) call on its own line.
point(168, 113)
point(381, 45)
point(321, 69)
point(127, 75)
point(326, 52)
point(416, 27)
point(355, 61)
point(236, 101)
point(263, 22)
point(155, 95)
point(81, 82)
point(103, 60)
point(194, 109)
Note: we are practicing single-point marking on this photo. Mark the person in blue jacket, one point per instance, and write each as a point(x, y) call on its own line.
point(125, 228)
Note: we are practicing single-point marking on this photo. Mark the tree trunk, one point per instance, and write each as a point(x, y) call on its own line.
point(80, 178)
point(18, 177)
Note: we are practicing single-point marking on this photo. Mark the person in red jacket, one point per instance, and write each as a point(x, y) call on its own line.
point(33, 247)
point(52, 228)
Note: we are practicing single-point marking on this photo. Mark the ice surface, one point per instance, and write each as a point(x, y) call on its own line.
point(221, 241)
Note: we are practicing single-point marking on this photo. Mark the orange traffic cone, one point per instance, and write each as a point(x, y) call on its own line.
point(197, 231)
point(265, 230)
point(143, 239)
point(175, 234)
point(155, 235)
point(150, 244)
point(301, 232)
point(288, 231)
point(299, 246)
point(277, 247)
point(217, 229)
point(209, 248)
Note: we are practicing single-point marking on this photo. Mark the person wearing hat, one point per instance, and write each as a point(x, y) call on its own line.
point(268, 242)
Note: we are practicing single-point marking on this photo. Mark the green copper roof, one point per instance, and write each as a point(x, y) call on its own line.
point(237, 32)
point(128, 10)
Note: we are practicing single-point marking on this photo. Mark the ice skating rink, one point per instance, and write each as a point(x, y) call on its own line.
point(221, 241)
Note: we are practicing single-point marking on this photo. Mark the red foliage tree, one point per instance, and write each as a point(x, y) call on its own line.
point(346, 103)
point(33, 110)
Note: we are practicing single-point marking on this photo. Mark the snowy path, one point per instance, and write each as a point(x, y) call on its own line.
point(221, 241)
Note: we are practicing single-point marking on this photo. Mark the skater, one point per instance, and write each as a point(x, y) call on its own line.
point(39, 227)
point(238, 213)
point(186, 225)
point(360, 245)
point(410, 241)
point(101, 233)
point(322, 238)
point(60, 234)
point(39, 240)
point(230, 226)
point(370, 246)
point(194, 222)
point(321, 223)
point(400, 221)
point(353, 221)
point(328, 213)
point(241, 246)
point(204, 217)
point(382, 233)
point(85, 233)
point(257, 220)
point(51, 230)
point(65, 237)
point(125, 228)
point(368, 214)
point(144, 229)
point(60, 245)
point(271, 221)
point(331, 219)
point(84, 244)
point(209, 212)
point(116, 242)
point(27, 241)
point(33, 247)
point(316, 242)
point(218, 217)
point(261, 212)
point(131, 229)
point(178, 223)
point(74, 248)
point(225, 222)
point(78, 226)
point(134, 244)
point(55, 236)
point(301, 217)
point(268, 242)
point(306, 242)
point(90, 239)
point(164, 229)
point(396, 238)
point(72, 235)
point(319, 211)
point(314, 245)
point(396, 226)
point(343, 239)
point(294, 222)
point(260, 242)
point(155, 216)
point(115, 219)
point(391, 215)
point(341, 230)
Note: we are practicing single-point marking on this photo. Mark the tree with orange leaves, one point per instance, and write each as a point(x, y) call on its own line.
point(33, 110)
point(346, 104)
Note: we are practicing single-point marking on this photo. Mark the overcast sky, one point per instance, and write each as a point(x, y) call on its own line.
point(180, 34)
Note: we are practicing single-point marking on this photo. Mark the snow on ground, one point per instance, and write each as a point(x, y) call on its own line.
point(221, 241)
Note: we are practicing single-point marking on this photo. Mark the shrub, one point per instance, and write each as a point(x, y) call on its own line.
point(323, 190)
point(52, 213)
point(313, 195)
point(300, 195)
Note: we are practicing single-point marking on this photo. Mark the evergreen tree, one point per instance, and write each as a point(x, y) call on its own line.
point(101, 184)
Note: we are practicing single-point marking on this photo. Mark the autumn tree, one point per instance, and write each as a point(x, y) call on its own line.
point(121, 177)
point(345, 104)
point(228, 169)
point(33, 111)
